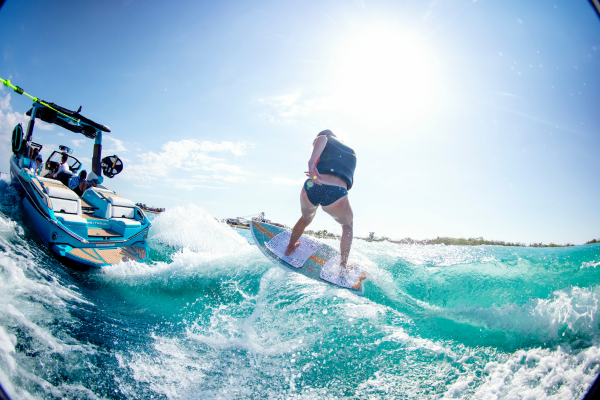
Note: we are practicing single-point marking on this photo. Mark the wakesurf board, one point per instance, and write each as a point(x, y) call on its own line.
point(313, 259)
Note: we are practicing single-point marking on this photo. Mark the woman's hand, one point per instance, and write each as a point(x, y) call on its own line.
point(314, 174)
point(318, 146)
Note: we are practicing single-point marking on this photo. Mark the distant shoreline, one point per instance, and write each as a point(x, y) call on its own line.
point(448, 241)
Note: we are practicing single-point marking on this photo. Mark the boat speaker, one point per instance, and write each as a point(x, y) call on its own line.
point(111, 166)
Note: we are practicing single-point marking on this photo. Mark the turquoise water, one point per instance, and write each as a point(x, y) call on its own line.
point(210, 318)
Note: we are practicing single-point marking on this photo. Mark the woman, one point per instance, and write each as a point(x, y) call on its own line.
point(36, 166)
point(79, 184)
point(331, 174)
point(83, 184)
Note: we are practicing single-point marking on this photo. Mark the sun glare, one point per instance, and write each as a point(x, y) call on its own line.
point(385, 73)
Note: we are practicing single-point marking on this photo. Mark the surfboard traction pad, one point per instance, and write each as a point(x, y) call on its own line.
point(307, 248)
point(263, 233)
point(352, 279)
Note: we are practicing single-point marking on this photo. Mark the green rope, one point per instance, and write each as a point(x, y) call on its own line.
point(17, 89)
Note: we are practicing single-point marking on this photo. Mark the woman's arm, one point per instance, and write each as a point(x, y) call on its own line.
point(318, 146)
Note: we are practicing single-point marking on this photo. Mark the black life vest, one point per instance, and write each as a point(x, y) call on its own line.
point(339, 160)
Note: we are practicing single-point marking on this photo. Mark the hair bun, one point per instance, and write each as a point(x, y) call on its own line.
point(327, 133)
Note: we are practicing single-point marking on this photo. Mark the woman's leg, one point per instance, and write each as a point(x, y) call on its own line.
point(342, 213)
point(308, 213)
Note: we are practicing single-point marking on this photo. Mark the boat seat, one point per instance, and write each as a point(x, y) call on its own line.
point(64, 206)
point(121, 202)
point(123, 212)
point(72, 219)
point(64, 201)
point(61, 193)
point(127, 222)
point(48, 180)
point(122, 209)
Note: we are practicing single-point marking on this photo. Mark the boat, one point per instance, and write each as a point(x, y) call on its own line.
point(152, 210)
point(98, 228)
point(244, 223)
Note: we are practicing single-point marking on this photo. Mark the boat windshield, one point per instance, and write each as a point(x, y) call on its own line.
point(73, 163)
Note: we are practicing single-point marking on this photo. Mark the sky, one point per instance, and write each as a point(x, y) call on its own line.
point(473, 118)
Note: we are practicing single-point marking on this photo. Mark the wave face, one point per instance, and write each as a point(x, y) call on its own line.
point(210, 317)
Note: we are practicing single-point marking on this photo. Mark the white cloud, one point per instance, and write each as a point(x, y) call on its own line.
point(188, 184)
point(77, 142)
point(189, 155)
point(237, 149)
point(231, 178)
point(60, 134)
point(291, 107)
point(186, 148)
point(234, 169)
point(5, 103)
point(116, 145)
point(45, 127)
point(283, 181)
point(288, 100)
point(283, 108)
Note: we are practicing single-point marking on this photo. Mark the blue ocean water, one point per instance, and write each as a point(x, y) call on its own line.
point(211, 318)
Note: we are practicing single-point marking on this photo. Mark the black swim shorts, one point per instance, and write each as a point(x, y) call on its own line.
point(324, 195)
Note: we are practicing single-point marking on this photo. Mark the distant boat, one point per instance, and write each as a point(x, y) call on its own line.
point(243, 223)
point(153, 210)
point(97, 229)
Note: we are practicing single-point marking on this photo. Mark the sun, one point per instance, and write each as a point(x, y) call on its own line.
point(384, 72)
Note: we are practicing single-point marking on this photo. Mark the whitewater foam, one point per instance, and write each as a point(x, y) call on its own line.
point(590, 264)
point(33, 299)
point(190, 226)
point(541, 373)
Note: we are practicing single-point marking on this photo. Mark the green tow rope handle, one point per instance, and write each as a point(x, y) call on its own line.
point(17, 89)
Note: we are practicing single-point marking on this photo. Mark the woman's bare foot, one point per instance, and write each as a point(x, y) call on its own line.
point(290, 249)
point(345, 270)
